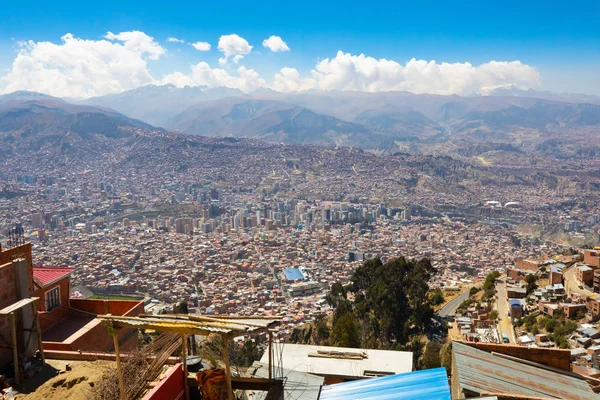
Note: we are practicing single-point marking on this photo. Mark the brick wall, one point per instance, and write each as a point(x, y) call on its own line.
point(8, 291)
point(556, 358)
point(22, 251)
point(129, 308)
point(8, 295)
point(591, 258)
point(63, 284)
point(94, 337)
point(527, 265)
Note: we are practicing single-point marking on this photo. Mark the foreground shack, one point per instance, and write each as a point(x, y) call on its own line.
point(183, 324)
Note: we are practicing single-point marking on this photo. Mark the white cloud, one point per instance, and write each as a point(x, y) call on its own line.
point(81, 68)
point(288, 80)
point(201, 46)
point(361, 73)
point(202, 74)
point(175, 40)
point(139, 43)
point(275, 43)
point(233, 46)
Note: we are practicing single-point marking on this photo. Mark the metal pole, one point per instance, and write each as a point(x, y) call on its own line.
point(119, 370)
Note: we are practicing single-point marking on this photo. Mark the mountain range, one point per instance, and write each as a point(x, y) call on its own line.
point(505, 120)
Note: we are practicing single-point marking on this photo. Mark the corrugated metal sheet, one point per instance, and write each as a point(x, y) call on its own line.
point(191, 324)
point(482, 372)
point(431, 384)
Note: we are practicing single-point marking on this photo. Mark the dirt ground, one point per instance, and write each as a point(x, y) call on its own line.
point(54, 382)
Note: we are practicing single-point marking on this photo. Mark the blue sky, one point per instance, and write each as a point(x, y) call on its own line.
point(559, 39)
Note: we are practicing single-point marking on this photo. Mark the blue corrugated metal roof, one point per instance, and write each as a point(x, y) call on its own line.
point(431, 384)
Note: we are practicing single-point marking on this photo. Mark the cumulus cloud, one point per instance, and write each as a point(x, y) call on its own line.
point(233, 46)
point(202, 74)
point(175, 40)
point(201, 46)
point(275, 44)
point(361, 73)
point(81, 68)
point(139, 43)
point(288, 80)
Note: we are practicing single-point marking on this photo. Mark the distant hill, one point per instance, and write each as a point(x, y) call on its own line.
point(545, 95)
point(386, 122)
point(30, 120)
point(271, 120)
point(157, 104)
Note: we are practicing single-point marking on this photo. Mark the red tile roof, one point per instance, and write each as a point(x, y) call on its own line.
point(47, 276)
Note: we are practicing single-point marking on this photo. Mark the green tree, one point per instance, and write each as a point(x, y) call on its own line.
point(531, 281)
point(446, 357)
point(336, 294)
point(396, 293)
point(438, 297)
point(431, 356)
point(345, 332)
point(493, 315)
point(181, 308)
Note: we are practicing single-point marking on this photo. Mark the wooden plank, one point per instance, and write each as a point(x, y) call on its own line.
point(270, 355)
point(38, 332)
point(259, 384)
point(19, 304)
point(224, 339)
point(185, 368)
point(13, 328)
point(119, 369)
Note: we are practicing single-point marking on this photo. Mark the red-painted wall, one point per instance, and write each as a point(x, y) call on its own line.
point(94, 337)
point(170, 388)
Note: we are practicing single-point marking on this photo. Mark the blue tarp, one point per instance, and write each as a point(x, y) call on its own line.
point(431, 384)
point(293, 274)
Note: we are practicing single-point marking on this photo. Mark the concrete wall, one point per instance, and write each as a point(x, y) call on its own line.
point(556, 358)
point(171, 387)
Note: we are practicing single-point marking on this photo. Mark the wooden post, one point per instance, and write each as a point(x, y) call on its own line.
point(227, 366)
point(270, 355)
point(15, 347)
point(185, 369)
point(119, 370)
point(38, 331)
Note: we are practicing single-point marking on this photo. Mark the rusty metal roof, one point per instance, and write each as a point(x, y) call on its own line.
point(481, 372)
point(192, 324)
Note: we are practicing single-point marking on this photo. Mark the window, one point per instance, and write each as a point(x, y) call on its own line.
point(52, 298)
